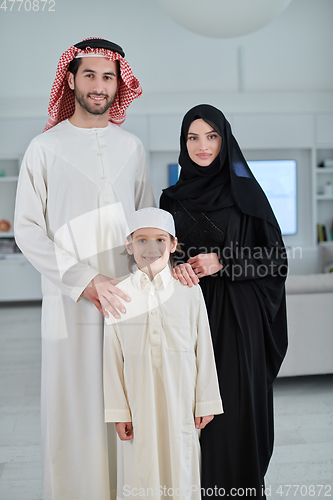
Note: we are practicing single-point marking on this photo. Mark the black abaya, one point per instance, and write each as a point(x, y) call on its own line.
point(222, 209)
point(246, 309)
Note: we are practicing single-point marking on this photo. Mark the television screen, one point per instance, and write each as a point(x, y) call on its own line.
point(174, 171)
point(279, 182)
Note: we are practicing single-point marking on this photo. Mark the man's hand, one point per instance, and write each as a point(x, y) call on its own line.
point(205, 264)
point(201, 422)
point(102, 291)
point(124, 430)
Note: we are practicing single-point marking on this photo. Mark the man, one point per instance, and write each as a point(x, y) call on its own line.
point(78, 182)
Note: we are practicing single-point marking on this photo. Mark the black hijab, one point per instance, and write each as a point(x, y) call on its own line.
point(227, 181)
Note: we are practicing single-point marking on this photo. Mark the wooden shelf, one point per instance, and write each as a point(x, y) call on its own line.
point(9, 178)
point(323, 203)
point(324, 197)
point(7, 234)
point(324, 170)
point(12, 257)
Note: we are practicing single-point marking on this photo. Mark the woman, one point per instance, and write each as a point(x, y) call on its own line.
point(232, 242)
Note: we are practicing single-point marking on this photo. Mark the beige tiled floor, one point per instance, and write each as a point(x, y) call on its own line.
point(20, 456)
point(303, 455)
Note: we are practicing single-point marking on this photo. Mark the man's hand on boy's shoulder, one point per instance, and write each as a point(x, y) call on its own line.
point(103, 293)
point(201, 422)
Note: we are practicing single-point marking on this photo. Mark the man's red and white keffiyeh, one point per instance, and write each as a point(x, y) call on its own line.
point(62, 100)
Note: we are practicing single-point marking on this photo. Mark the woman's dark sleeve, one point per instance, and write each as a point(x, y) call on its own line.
point(253, 250)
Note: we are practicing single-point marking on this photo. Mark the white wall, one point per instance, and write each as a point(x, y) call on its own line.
point(286, 69)
point(291, 54)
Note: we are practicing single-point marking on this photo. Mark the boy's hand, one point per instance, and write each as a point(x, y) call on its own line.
point(124, 430)
point(201, 422)
point(102, 291)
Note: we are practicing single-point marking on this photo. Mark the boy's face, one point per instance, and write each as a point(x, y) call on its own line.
point(151, 248)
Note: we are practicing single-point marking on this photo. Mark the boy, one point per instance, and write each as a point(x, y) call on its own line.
point(160, 382)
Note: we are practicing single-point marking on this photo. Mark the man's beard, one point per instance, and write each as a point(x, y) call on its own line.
point(90, 108)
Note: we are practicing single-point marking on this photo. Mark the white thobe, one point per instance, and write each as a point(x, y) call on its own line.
point(75, 189)
point(159, 372)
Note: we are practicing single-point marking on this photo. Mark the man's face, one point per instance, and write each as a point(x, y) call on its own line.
point(95, 84)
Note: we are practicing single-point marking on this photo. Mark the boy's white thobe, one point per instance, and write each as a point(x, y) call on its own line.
point(159, 372)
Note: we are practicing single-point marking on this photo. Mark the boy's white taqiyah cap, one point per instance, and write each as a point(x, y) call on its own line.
point(151, 217)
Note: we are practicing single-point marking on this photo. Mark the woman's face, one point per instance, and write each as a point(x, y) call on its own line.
point(203, 143)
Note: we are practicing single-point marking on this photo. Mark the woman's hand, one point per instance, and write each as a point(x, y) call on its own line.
point(205, 264)
point(185, 274)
